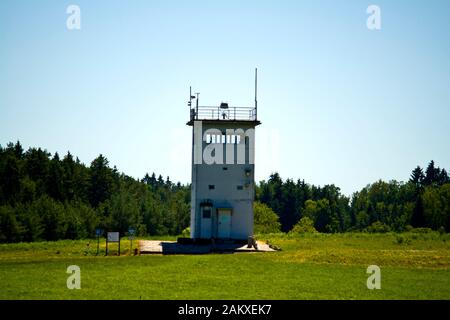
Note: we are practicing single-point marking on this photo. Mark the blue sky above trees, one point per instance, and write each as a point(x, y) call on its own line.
point(339, 103)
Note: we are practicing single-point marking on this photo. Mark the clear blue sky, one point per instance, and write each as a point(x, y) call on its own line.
point(339, 103)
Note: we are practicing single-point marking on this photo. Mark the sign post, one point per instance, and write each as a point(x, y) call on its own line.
point(131, 233)
point(98, 233)
point(112, 237)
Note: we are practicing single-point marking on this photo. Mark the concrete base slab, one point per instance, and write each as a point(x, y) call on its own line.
point(172, 247)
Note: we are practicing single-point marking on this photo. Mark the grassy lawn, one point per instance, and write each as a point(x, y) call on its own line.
point(413, 266)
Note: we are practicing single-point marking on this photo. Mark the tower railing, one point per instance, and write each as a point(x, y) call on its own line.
point(218, 113)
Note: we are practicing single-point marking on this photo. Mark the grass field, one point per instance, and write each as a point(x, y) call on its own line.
point(413, 266)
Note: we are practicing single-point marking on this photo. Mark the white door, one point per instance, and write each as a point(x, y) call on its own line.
point(224, 223)
point(206, 225)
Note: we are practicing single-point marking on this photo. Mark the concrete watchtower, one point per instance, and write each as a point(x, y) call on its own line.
point(223, 169)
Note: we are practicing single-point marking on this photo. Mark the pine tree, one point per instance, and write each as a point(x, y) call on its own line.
point(146, 179)
point(160, 181)
point(18, 150)
point(431, 174)
point(266, 193)
point(290, 205)
point(55, 179)
point(418, 216)
point(37, 164)
point(153, 180)
point(443, 177)
point(68, 176)
point(81, 179)
point(168, 183)
point(101, 181)
point(10, 179)
point(417, 176)
point(276, 186)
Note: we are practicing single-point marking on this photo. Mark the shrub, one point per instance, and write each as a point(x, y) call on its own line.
point(378, 227)
point(421, 230)
point(265, 219)
point(186, 233)
point(399, 239)
point(305, 225)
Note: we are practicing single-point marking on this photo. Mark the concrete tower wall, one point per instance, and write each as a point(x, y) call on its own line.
point(223, 187)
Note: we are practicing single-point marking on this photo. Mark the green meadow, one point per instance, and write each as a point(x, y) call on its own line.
point(311, 266)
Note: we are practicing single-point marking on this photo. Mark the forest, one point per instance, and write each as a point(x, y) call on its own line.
point(48, 197)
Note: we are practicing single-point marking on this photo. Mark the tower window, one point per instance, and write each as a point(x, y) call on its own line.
point(211, 187)
point(225, 168)
point(206, 213)
point(240, 187)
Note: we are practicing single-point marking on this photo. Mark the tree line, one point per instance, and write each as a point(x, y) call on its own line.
point(422, 202)
point(45, 197)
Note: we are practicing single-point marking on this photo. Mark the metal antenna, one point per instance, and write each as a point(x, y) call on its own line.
point(256, 93)
point(190, 97)
point(197, 94)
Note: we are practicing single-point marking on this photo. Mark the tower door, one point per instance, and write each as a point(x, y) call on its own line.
point(206, 223)
point(223, 223)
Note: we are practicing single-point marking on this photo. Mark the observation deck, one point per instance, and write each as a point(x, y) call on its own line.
point(223, 113)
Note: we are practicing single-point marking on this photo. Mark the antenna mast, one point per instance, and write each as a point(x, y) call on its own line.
point(256, 93)
point(196, 101)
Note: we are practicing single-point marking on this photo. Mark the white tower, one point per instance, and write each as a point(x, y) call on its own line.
point(223, 186)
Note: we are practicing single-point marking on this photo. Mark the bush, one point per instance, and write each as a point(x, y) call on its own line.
point(305, 225)
point(402, 240)
point(186, 233)
point(378, 227)
point(421, 230)
point(265, 219)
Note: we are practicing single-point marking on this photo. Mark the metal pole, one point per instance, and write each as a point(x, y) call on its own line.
point(256, 93)
point(196, 111)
